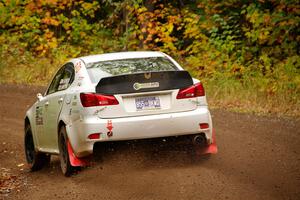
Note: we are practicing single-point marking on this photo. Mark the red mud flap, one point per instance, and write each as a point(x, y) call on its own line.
point(75, 161)
point(209, 149)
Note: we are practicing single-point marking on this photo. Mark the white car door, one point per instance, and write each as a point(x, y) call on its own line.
point(41, 114)
point(53, 103)
point(53, 107)
point(39, 123)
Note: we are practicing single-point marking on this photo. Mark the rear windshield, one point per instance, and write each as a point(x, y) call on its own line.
point(103, 69)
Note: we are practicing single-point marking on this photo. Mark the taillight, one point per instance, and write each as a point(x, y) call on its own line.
point(92, 99)
point(196, 90)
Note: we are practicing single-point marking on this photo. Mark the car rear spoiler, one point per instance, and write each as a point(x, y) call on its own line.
point(144, 82)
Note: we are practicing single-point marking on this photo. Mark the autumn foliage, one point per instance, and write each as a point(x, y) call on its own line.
point(231, 45)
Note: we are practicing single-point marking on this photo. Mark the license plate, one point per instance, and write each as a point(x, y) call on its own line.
point(147, 103)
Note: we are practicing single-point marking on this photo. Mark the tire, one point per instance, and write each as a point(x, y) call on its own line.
point(66, 167)
point(36, 160)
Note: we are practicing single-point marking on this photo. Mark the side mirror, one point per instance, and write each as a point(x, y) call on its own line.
point(39, 96)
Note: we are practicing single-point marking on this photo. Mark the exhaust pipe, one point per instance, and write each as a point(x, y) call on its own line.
point(199, 140)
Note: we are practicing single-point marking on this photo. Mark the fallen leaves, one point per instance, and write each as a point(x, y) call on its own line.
point(20, 165)
point(10, 181)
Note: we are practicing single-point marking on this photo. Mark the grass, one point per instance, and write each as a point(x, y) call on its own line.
point(237, 97)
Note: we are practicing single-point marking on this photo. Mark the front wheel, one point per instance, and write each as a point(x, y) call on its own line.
point(36, 160)
point(65, 164)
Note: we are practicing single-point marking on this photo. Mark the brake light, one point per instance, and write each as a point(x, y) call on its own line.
point(92, 99)
point(196, 90)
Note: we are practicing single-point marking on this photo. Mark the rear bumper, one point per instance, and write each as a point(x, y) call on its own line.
point(142, 127)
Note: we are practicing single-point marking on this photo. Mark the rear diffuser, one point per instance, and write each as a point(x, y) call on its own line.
point(75, 161)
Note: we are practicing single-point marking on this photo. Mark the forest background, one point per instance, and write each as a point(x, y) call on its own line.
point(245, 52)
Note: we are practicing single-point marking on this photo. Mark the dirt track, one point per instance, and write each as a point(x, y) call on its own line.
point(259, 158)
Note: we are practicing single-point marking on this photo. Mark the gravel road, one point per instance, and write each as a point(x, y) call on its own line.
point(258, 158)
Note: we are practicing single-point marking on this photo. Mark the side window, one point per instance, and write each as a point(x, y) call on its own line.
point(62, 79)
point(70, 68)
point(67, 77)
point(54, 84)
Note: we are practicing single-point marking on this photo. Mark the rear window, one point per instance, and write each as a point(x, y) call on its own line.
point(103, 69)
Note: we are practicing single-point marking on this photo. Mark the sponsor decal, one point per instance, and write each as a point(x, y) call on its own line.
point(39, 116)
point(98, 111)
point(138, 86)
point(80, 80)
point(74, 102)
point(109, 127)
point(77, 66)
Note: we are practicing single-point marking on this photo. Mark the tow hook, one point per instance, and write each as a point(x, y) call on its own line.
point(109, 133)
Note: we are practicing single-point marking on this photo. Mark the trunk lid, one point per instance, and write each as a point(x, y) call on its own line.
point(145, 93)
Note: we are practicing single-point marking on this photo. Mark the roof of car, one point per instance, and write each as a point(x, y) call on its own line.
point(121, 55)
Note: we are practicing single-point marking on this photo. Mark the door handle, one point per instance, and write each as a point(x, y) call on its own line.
point(47, 104)
point(60, 100)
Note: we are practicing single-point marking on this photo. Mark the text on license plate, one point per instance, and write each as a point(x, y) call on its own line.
point(147, 103)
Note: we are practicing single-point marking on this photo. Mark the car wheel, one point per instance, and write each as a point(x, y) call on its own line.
point(36, 160)
point(65, 164)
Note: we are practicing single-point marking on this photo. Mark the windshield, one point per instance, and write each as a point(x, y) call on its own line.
point(102, 69)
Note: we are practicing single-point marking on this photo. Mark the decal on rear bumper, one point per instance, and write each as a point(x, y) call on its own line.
point(109, 127)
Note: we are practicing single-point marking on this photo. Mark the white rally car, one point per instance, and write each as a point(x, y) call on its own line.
point(112, 97)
